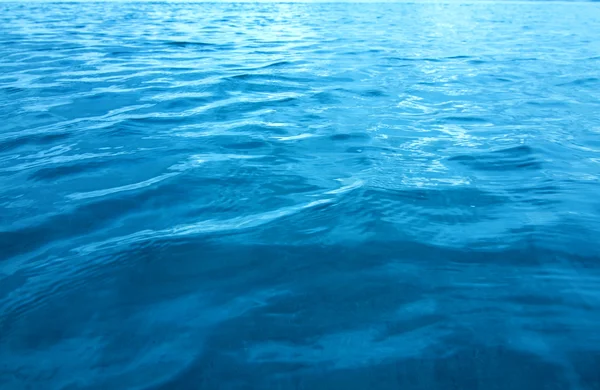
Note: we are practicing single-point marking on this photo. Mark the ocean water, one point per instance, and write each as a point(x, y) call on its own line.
point(300, 196)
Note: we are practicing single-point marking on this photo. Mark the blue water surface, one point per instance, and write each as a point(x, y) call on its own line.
point(300, 196)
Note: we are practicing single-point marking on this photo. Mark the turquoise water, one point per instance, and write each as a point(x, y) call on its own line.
point(300, 196)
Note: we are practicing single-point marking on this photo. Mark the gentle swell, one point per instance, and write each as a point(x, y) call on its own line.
point(316, 196)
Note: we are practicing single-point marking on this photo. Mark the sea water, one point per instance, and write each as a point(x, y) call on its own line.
point(300, 196)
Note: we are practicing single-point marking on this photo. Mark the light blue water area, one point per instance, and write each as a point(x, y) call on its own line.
point(300, 196)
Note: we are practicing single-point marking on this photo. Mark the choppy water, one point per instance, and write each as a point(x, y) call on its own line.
point(297, 196)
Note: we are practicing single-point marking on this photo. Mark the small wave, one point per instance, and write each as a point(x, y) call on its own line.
point(129, 187)
point(189, 43)
point(464, 119)
point(66, 170)
point(279, 64)
point(205, 227)
point(346, 188)
point(350, 137)
point(521, 157)
point(36, 139)
point(585, 81)
point(295, 137)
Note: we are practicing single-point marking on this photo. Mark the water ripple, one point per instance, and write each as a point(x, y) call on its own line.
point(219, 195)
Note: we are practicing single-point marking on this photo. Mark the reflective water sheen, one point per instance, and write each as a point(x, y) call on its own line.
point(297, 196)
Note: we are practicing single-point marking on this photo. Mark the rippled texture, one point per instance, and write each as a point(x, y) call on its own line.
point(297, 196)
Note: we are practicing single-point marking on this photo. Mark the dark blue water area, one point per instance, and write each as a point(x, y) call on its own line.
point(300, 196)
